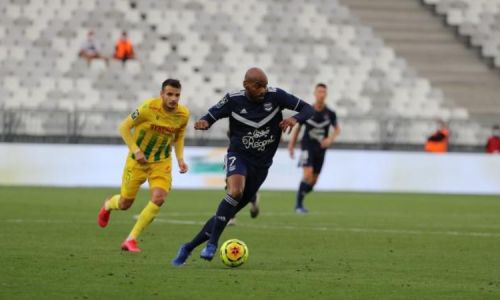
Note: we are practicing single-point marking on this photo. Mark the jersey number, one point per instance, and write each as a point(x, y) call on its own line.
point(230, 163)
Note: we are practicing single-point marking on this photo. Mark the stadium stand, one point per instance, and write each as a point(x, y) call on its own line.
point(45, 89)
point(475, 19)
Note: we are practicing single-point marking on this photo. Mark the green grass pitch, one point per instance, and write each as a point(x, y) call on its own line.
point(351, 246)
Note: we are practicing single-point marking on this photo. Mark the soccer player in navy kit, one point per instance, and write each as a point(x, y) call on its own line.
point(255, 127)
point(315, 142)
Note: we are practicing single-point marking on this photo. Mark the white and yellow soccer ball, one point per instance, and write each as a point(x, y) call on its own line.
point(233, 253)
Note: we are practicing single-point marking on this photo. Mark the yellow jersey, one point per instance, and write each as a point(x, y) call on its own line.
point(155, 130)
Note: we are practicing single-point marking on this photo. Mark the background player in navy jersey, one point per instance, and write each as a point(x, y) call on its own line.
point(315, 142)
point(255, 127)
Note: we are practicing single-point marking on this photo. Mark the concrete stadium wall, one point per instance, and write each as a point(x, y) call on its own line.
point(373, 171)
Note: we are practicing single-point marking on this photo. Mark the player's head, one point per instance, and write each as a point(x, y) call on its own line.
point(255, 84)
point(124, 35)
point(170, 93)
point(320, 92)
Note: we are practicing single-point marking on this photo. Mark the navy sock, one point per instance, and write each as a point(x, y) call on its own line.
point(304, 188)
point(203, 235)
point(254, 198)
point(226, 210)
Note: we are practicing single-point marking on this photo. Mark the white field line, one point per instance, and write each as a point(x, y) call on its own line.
point(286, 227)
point(344, 229)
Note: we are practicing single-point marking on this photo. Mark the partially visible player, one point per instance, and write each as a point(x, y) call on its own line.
point(315, 142)
point(255, 127)
point(149, 133)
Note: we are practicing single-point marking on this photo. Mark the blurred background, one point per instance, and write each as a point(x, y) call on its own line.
point(393, 67)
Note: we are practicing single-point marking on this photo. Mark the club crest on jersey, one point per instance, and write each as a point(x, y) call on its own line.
point(268, 106)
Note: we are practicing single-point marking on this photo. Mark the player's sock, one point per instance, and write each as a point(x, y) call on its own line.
point(113, 203)
point(304, 188)
point(202, 236)
point(146, 216)
point(226, 210)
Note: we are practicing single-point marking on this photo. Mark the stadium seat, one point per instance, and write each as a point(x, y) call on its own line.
point(209, 45)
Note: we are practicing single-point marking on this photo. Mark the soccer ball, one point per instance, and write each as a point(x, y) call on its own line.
point(233, 253)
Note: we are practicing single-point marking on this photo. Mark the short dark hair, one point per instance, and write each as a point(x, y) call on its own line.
point(322, 85)
point(171, 82)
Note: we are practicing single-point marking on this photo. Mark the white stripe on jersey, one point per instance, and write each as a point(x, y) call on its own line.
point(256, 124)
point(238, 93)
point(212, 116)
point(318, 125)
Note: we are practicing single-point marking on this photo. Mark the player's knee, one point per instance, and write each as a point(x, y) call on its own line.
point(125, 203)
point(236, 193)
point(158, 196)
point(158, 200)
point(309, 179)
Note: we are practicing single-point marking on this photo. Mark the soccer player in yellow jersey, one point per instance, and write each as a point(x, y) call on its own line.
point(149, 133)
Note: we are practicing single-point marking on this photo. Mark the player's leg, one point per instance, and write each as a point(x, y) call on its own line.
point(132, 179)
point(305, 187)
point(231, 221)
point(160, 181)
point(255, 178)
point(225, 211)
point(306, 162)
point(254, 205)
point(250, 184)
point(311, 175)
point(201, 237)
point(233, 166)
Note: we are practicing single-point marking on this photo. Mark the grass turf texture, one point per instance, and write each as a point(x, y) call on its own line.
point(351, 246)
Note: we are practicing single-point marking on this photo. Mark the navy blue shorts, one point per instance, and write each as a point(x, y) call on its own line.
point(312, 158)
point(254, 175)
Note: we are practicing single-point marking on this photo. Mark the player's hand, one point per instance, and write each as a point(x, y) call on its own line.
point(139, 157)
point(183, 167)
point(325, 143)
point(287, 124)
point(291, 151)
point(201, 125)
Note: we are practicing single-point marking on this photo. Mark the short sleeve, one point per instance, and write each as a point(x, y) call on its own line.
point(333, 118)
point(219, 111)
point(288, 101)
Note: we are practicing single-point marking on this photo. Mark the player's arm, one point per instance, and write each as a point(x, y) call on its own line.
point(289, 101)
point(335, 133)
point(218, 111)
point(125, 130)
point(179, 148)
point(331, 138)
point(293, 140)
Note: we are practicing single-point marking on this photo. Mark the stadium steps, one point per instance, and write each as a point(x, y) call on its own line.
point(433, 50)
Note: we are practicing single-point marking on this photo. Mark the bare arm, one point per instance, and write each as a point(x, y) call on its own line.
point(293, 140)
point(331, 138)
point(179, 149)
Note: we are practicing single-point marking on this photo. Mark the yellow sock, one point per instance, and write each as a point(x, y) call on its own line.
point(113, 203)
point(145, 218)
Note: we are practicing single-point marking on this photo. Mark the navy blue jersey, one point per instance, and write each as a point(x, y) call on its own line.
point(317, 128)
point(254, 130)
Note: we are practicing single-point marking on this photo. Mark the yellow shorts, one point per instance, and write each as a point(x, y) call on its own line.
point(158, 174)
